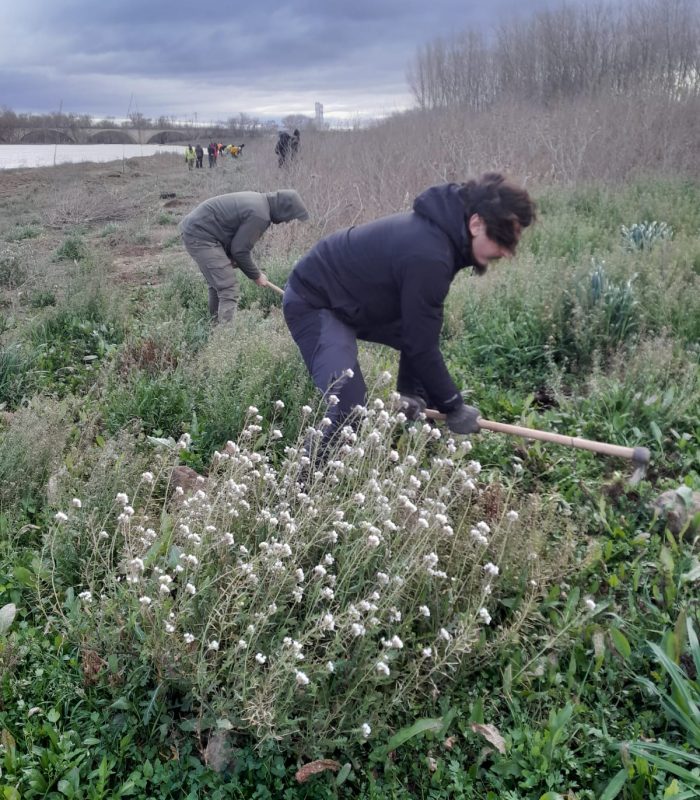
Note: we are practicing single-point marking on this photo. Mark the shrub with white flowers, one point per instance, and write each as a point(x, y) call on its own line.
point(389, 560)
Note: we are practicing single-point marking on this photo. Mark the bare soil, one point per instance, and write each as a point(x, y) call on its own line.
point(126, 214)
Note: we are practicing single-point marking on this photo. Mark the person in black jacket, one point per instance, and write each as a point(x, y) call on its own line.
point(282, 148)
point(199, 152)
point(294, 144)
point(386, 281)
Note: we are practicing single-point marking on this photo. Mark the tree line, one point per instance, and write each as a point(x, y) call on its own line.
point(565, 53)
point(67, 124)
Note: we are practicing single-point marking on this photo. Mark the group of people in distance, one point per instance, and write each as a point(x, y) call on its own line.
point(286, 150)
point(384, 281)
point(194, 156)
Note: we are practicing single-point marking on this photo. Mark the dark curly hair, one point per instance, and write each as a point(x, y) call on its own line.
point(505, 208)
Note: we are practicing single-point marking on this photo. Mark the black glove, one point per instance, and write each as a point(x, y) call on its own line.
point(463, 420)
point(412, 406)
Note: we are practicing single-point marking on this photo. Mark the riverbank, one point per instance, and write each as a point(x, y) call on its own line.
point(23, 156)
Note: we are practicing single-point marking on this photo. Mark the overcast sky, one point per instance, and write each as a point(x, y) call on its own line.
point(267, 59)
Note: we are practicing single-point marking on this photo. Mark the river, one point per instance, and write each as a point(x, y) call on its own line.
point(13, 156)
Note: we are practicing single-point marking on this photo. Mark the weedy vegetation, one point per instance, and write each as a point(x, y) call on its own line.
point(189, 609)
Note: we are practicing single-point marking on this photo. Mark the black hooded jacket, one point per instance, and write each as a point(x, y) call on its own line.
point(397, 268)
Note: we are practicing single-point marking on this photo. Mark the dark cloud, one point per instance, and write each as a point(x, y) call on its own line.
point(178, 55)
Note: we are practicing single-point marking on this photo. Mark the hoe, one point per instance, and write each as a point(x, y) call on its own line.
point(638, 455)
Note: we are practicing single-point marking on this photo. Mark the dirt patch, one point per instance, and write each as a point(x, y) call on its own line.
point(138, 265)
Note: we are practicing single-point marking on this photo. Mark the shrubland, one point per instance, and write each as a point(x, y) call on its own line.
point(424, 616)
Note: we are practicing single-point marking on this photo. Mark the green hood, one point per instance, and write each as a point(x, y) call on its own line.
point(286, 205)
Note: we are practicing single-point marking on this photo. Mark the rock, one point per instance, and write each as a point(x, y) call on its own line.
point(218, 754)
point(680, 508)
point(187, 479)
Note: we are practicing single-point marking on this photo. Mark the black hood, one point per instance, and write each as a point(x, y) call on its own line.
point(444, 206)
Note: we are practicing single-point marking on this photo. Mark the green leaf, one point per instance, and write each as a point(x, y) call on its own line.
point(419, 727)
point(686, 495)
point(342, 776)
point(615, 786)
point(127, 789)
point(477, 711)
point(24, 576)
point(7, 615)
point(620, 642)
point(693, 573)
point(694, 645)
point(672, 790)
point(666, 560)
point(646, 750)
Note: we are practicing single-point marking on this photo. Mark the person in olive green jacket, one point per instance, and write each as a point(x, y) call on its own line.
point(220, 234)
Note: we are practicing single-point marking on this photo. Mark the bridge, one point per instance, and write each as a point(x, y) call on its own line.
point(102, 135)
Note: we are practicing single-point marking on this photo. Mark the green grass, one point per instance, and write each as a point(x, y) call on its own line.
point(580, 335)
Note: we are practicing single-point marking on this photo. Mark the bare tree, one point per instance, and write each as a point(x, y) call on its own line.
point(646, 45)
point(300, 121)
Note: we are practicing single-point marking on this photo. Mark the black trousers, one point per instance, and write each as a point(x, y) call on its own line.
point(328, 346)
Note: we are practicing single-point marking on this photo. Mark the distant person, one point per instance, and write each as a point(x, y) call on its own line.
point(282, 147)
point(199, 152)
point(211, 152)
point(387, 281)
point(220, 233)
point(294, 144)
point(189, 156)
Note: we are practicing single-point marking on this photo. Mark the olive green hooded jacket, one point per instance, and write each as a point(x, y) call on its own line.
point(238, 220)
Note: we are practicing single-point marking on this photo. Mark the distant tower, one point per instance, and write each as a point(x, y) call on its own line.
point(319, 115)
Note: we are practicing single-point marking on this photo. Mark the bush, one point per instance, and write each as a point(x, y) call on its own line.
point(254, 362)
point(21, 232)
point(644, 235)
point(594, 318)
point(16, 379)
point(42, 299)
point(12, 270)
point(72, 339)
point(161, 404)
point(31, 449)
point(390, 566)
point(72, 249)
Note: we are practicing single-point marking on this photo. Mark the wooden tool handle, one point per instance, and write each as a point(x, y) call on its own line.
point(271, 285)
point(639, 455)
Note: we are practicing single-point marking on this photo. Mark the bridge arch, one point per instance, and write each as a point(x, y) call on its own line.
point(47, 136)
point(111, 137)
point(169, 137)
